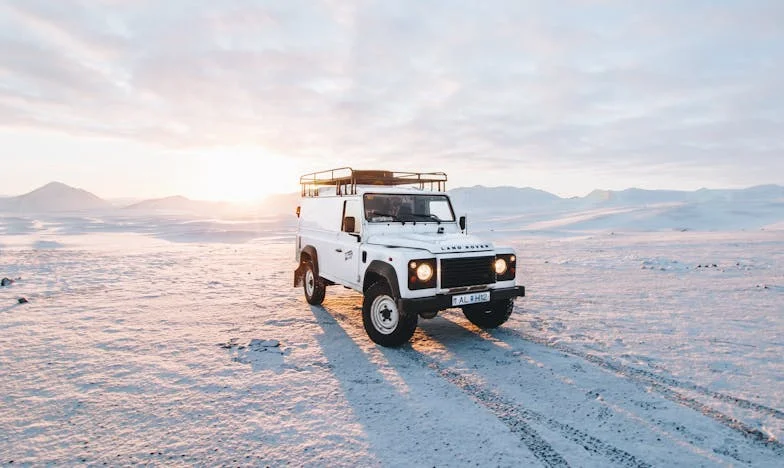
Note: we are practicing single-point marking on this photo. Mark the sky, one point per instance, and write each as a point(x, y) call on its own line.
point(237, 99)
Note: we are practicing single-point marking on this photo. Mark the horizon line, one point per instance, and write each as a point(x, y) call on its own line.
point(138, 199)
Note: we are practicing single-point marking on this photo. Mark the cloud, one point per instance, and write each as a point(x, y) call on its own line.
point(606, 86)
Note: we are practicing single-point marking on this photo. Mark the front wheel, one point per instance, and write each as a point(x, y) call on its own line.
point(314, 285)
point(489, 315)
point(385, 323)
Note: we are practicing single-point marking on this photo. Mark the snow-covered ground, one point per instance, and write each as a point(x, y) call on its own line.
point(150, 340)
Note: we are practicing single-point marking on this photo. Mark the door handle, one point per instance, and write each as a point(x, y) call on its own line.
point(338, 250)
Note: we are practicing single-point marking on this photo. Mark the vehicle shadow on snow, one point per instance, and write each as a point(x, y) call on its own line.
point(372, 397)
point(444, 333)
point(389, 393)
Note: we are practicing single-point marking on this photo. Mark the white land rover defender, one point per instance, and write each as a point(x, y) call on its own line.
point(393, 237)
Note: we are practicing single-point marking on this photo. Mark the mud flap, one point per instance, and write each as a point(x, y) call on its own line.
point(298, 274)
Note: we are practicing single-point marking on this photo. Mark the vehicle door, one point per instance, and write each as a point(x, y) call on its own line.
point(347, 243)
point(326, 217)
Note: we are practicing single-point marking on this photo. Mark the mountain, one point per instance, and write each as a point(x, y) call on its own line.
point(54, 196)
point(273, 205)
point(506, 208)
point(124, 201)
point(756, 193)
point(635, 196)
point(497, 199)
point(685, 216)
point(184, 205)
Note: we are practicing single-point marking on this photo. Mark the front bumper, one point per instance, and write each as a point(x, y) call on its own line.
point(444, 301)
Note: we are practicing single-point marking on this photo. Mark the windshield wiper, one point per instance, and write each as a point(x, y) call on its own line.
point(431, 217)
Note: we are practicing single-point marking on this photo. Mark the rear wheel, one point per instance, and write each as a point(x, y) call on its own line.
point(385, 323)
point(314, 285)
point(489, 315)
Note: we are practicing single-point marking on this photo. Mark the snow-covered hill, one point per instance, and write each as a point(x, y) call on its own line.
point(634, 209)
point(54, 196)
point(183, 205)
point(707, 216)
point(499, 199)
point(489, 208)
point(635, 196)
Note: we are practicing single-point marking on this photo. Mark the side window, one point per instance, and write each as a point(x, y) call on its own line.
point(352, 209)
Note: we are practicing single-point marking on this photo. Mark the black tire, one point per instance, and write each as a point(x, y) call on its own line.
point(490, 315)
point(384, 322)
point(314, 286)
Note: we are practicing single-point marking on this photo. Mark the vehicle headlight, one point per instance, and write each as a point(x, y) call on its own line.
point(424, 272)
point(505, 267)
point(500, 266)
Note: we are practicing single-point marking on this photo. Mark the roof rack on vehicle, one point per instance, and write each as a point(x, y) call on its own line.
point(345, 180)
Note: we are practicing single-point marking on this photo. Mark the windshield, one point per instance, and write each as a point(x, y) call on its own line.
point(384, 207)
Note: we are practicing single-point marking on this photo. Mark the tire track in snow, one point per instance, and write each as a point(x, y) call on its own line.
point(517, 418)
point(666, 387)
point(635, 373)
point(506, 412)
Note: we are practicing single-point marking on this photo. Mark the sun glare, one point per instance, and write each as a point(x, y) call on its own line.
point(246, 175)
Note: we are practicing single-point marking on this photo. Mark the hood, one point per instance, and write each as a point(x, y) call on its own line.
point(432, 242)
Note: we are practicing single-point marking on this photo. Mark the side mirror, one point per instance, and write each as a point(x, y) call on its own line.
point(462, 223)
point(299, 208)
point(349, 224)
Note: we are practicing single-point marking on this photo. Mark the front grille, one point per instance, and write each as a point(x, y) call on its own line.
point(467, 271)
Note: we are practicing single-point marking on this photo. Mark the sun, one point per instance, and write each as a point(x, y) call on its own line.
point(246, 174)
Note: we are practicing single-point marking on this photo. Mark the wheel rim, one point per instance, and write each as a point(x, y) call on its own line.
point(384, 315)
point(310, 282)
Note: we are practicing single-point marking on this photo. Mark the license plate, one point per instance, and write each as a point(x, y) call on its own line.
point(473, 298)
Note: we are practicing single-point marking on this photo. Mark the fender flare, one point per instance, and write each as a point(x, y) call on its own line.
point(311, 251)
point(299, 273)
point(386, 271)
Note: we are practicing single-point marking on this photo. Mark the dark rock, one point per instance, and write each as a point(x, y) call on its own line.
point(6, 282)
point(257, 344)
point(229, 344)
point(23, 300)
